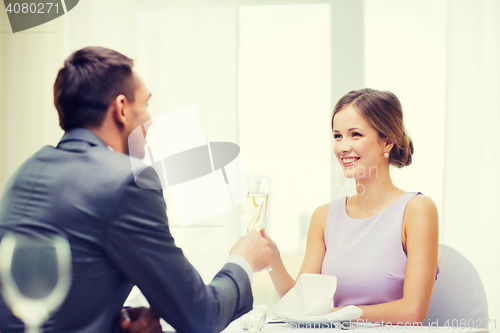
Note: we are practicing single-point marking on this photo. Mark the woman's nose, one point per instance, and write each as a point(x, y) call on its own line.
point(344, 148)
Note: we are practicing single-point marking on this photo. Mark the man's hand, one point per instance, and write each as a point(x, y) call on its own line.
point(254, 247)
point(139, 320)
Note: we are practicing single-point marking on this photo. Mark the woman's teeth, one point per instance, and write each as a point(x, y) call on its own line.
point(349, 160)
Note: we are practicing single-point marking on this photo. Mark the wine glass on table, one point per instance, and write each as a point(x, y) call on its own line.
point(35, 274)
point(255, 205)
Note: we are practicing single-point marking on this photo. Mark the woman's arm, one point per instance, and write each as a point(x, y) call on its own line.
point(421, 231)
point(313, 259)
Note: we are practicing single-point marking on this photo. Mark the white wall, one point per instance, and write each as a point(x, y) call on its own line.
point(405, 52)
point(471, 179)
point(30, 61)
point(284, 103)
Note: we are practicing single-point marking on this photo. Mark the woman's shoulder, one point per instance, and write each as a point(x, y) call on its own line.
point(421, 208)
point(322, 210)
point(420, 203)
point(320, 215)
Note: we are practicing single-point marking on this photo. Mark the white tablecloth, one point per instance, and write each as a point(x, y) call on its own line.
point(235, 327)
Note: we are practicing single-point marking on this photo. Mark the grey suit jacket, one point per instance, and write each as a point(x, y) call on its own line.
point(119, 237)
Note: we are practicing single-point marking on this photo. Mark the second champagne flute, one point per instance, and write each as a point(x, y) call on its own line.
point(35, 272)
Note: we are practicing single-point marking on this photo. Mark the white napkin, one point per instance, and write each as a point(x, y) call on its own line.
point(312, 298)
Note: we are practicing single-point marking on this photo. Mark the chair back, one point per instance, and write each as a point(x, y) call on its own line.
point(458, 296)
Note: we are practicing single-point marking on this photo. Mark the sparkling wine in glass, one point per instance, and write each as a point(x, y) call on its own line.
point(255, 203)
point(35, 272)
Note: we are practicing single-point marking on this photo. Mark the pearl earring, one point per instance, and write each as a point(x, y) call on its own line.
point(386, 155)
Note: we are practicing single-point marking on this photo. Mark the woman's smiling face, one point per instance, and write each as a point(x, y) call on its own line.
point(358, 146)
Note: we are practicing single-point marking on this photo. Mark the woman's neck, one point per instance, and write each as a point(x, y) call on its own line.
point(375, 192)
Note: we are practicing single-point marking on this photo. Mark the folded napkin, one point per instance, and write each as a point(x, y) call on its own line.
point(312, 299)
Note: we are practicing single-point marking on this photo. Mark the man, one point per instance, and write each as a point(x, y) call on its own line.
point(84, 189)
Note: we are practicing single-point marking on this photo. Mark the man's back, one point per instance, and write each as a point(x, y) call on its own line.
point(119, 237)
point(72, 191)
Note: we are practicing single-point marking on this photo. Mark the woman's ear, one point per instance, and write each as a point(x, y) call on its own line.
point(388, 144)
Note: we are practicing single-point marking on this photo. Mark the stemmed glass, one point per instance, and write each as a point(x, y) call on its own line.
point(35, 272)
point(255, 204)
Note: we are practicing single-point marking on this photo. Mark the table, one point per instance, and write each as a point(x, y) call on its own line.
point(235, 327)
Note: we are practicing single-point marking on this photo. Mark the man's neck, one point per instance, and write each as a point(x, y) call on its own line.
point(111, 137)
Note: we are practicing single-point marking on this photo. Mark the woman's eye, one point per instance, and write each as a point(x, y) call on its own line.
point(337, 136)
point(356, 134)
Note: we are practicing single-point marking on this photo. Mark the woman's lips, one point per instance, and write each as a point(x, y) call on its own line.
point(349, 161)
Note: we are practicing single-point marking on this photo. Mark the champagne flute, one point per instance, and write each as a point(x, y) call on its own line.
point(35, 274)
point(255, 205)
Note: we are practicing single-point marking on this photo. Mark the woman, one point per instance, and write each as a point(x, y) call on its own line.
point(382, 242)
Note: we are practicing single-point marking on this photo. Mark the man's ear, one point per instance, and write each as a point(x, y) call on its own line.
point(119, 110)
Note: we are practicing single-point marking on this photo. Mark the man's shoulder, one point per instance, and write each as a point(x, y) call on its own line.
point(93, 169)
point(98, 161)
point(129, 169)
point(88, 166)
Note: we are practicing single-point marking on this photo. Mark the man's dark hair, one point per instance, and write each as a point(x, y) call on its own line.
point(89, 81)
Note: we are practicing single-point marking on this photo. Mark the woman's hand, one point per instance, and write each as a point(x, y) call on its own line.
point(336, 309)
point(275, 253)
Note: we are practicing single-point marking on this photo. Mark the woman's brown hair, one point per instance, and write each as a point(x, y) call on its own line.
point(383, 111)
